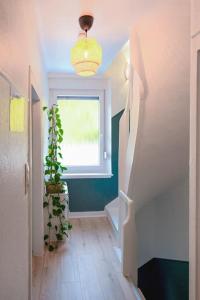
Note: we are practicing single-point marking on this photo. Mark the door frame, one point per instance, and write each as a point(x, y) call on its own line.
point(194, 193)
point(32, 86)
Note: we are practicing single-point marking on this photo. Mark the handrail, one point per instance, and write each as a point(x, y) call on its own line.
point(129, 260)
point(124, 197)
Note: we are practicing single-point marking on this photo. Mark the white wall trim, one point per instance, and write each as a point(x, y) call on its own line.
point(141, 295)
point(194, 267)
point(87, 214)
point(86, 175)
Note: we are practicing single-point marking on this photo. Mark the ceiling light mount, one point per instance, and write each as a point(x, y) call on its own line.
point(86, 22)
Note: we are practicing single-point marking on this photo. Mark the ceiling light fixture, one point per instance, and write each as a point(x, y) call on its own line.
point(86, 55)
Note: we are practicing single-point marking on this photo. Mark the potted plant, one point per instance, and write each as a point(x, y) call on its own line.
point(55, 200)
point(53, 167)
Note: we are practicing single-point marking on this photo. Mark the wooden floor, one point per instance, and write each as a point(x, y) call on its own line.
point(83, 268)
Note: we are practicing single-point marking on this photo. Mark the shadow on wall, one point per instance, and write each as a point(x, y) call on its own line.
point(92, 194)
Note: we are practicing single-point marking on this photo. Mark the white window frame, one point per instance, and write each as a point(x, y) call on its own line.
point(103, 170)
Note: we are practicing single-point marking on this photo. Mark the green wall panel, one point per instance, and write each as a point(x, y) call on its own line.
point(164, 279)
point(92, 194)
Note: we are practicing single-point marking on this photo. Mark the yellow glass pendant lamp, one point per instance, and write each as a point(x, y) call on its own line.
point(86, 55)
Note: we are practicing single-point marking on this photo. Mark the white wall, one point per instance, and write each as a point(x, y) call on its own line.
point(160, 52)
point(145, 228)
point(119, 84)
point(172, 223)
point(163, 226)
point(19, 48)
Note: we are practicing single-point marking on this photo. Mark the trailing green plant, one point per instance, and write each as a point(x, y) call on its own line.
point(56, 208)
point(53, 167)
point(53, 201)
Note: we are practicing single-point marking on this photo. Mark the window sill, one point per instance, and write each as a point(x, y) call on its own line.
point(86, 175)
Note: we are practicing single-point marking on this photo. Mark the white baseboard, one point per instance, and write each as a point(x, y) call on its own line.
point(87, 214)
point(137, 292)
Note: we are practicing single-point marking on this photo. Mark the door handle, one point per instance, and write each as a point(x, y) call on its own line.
point(27, 177)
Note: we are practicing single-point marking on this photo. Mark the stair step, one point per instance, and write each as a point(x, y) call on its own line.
point(113, 215)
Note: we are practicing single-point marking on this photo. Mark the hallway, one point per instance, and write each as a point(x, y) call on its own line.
point(83, 268)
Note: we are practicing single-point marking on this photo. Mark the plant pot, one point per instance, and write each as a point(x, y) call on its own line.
point(52, 188)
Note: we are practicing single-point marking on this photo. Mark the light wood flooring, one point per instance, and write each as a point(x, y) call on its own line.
point(85, 267)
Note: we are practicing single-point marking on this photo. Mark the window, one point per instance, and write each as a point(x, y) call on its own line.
point(85, 147)
point(80, 116)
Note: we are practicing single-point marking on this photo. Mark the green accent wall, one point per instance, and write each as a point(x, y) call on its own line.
point(164, 279)
point(92, 194)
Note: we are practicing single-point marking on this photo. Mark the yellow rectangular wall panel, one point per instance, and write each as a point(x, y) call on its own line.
point(17, 114)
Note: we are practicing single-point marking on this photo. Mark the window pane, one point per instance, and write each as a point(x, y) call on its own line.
point(80, 121)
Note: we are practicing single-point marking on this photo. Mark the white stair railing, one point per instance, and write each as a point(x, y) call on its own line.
point(126, 229)
point(128, 237)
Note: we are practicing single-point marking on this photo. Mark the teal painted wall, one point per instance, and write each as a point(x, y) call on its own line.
point(92, 194)
point(164, 279)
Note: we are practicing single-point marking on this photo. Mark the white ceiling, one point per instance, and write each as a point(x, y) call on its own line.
point(59, 28)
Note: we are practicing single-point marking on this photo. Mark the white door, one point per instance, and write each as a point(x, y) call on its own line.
point(14, 258)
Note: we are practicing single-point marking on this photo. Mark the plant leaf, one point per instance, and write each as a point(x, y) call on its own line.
point(51, 248)
point(46, 237)
point(69, 226)
point(63, 207)
point(49, 224)
point(59, 236)
point(45, 204)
